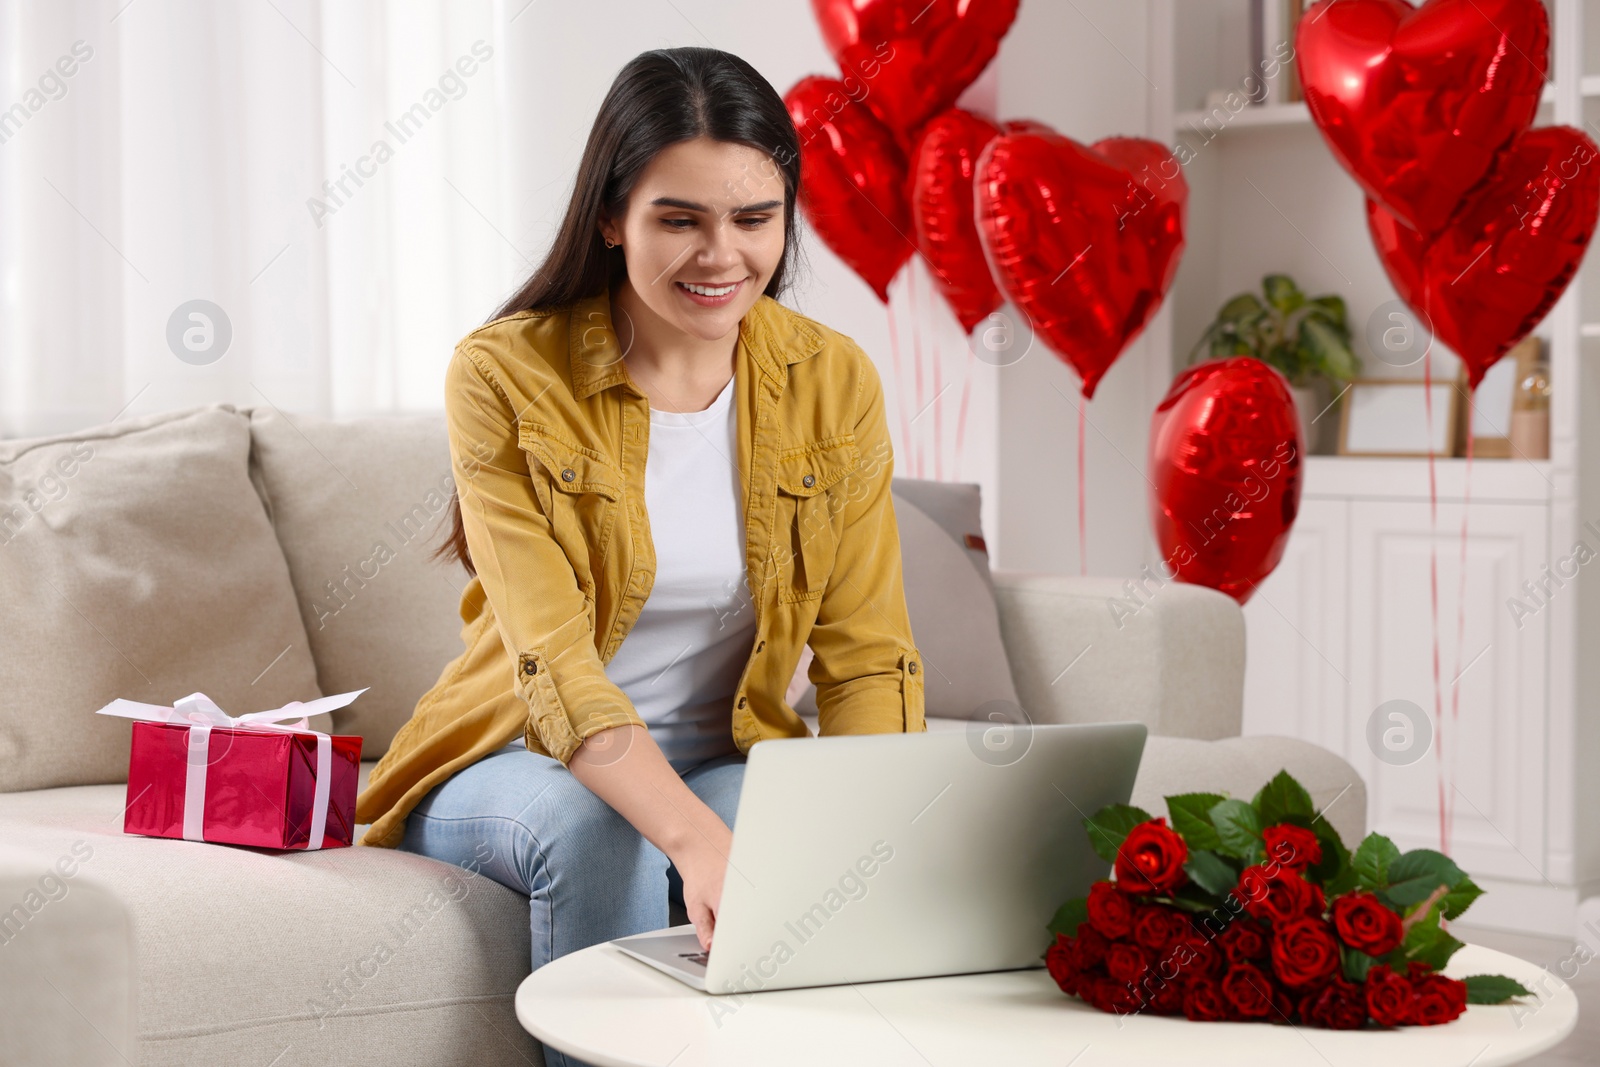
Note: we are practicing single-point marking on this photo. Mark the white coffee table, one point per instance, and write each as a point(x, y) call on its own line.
point(612, 1010)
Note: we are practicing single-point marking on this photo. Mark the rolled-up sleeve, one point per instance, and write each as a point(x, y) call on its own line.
point(866, 667)
point(528, 580)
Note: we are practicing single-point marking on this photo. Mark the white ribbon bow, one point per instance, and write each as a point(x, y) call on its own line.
point(202, 715)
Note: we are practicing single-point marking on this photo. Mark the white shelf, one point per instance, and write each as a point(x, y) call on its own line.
point(1589, 86)
point(1297, 114)
point(1264, 115)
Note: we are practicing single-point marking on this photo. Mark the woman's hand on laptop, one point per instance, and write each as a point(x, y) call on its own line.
point(624, 766)
point(701, 864)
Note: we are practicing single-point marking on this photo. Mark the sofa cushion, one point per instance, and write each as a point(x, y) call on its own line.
point(950, 598)
point(359, 507)
point(136, 561)
point(353, 956)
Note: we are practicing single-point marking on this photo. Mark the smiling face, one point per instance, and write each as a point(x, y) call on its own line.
point(703, 233)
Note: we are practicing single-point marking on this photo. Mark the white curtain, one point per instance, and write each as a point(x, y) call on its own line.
point(327, 174)
point(356, 184)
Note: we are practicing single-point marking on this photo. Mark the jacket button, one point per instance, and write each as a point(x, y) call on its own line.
point(530, 667)
point(809, 480)
point(741, 702)
point(913, 667)
point(760, 645)
point(568, 474)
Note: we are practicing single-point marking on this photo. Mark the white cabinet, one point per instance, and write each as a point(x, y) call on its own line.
point(1295, 662)
point(1345, 626)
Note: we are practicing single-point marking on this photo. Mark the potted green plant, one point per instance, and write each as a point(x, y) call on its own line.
point(1304, 338)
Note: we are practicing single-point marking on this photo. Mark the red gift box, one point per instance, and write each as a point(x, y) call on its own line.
point(195, 772)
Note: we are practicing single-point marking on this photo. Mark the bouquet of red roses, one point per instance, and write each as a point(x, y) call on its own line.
point(1256, 911)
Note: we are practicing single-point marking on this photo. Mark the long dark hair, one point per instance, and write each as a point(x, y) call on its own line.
point(662, 97)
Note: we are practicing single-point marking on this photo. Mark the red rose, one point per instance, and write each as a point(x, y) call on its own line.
point(1204, 1001)
point(1191, 956)
point(1276, 894)
point(1112, 996)
point(1440, 999)
point(1249, 990)
point(1110, 911)
point(1155, 926)
point(1338, 1005)
point(1151, 859)
point(1058, 960)
point(1319, 904)
point(1365, 923)
point(1126, 962)
point(1285, 1005)
point(1167, 998)
point(1390, 998)
point(1304, 952)
point(1244, 939)
point(1089, 948)
point(1294, 847)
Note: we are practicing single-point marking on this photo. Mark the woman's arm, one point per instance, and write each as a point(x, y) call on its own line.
point(626, 768)
point(867, 669)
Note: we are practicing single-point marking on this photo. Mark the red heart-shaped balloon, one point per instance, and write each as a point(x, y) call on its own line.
point(912, 57)
point(1085, 240)
point(1489, 278)
point(942, 169)
point(852, 181)
point(1418, 103)
point(1224, 474)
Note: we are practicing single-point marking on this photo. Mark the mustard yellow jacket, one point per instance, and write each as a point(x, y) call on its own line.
point(548, 440)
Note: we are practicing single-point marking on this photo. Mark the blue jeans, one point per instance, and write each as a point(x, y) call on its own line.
point(588, 874)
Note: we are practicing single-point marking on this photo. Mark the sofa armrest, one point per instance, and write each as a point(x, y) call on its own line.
point(68, 974)
point(1169, 655)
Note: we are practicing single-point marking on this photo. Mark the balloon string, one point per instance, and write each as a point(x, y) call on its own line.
point(1083, 505)
point(938, 391)
point(1461, 617)
point(916, 354)
point(966, 392)
point(1433, 569)
point(899, 381)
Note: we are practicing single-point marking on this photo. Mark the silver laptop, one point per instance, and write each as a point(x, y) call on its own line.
point(883, 856)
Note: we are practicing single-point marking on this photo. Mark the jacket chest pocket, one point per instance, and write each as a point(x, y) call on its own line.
point(578, 489)
point(813, 484)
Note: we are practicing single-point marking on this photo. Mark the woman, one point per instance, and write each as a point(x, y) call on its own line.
point(647, 445)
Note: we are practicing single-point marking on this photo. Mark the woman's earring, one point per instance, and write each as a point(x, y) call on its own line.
point(610, 243)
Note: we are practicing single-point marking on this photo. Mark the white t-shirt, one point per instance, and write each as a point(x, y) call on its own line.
point(681, 661)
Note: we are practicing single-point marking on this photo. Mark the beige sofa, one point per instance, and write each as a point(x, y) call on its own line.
point(260, 558)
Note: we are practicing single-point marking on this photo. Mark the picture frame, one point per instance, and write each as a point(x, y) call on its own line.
point(1388, 417)
point(1490, 407)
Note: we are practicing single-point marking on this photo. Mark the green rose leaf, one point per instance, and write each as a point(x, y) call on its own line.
point(1282, 799)
point(1239, 828)
point(1355, 963)
point(1191, 817)
point(1419, 872)
point(1427, 942)
point(1190, 897)
point(1211, 872)
point(1070, 916)
point(1460, 897)
point(1108, 828)
point(1493, 989)
point(1372, 860)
